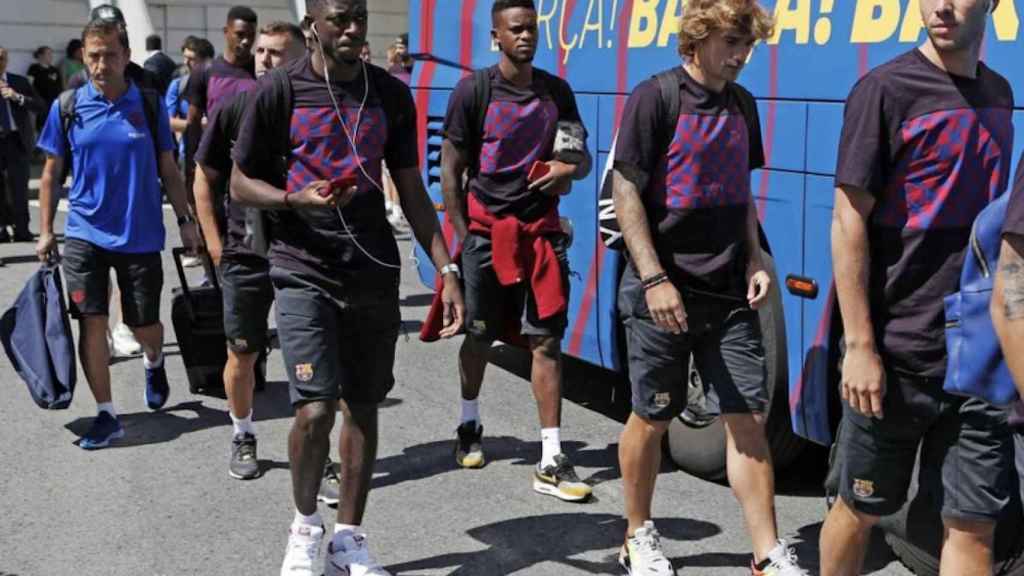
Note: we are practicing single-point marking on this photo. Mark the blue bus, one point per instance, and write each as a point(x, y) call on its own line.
point(800, 77)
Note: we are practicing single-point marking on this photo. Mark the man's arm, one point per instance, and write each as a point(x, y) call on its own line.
point(663, 300)
point(32, 101)
point(419, 210)
point(863, 385)
point(453, 166)
point(202, 188)
point(175, 188)
point(759, 283)
point(52, 170)
point(1007, 306)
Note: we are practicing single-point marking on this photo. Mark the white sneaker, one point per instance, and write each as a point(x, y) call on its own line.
point(189, 261)
point(782, 561)
point(641, 555)
point(348, 555)
point(303, 550)
point(124, 342)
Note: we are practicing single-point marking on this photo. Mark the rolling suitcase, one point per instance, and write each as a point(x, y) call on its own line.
point(197, 313)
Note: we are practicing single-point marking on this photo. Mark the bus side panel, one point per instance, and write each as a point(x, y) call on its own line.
point(582, 337)
point(811, 387)
point(435, 110)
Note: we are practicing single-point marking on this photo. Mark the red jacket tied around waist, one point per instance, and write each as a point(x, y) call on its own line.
point(521, 252)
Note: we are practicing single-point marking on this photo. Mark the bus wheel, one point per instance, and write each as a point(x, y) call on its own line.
point(915, 536)
point(696, 440)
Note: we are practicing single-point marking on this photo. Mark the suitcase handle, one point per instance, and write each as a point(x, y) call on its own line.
point(177, 254)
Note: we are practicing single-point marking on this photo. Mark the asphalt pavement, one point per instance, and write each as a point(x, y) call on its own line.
point(161, 503)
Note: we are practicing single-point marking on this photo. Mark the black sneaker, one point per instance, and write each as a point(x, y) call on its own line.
point(469, 452)
point(330, 485)
point(244, 464)
point(560, 480)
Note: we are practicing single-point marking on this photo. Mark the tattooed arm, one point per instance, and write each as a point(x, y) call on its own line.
point(1007, 305)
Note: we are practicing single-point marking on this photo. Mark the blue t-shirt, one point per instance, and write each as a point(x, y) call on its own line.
point(115, 194)
point(177, 107)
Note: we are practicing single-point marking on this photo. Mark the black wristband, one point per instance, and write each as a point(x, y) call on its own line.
point(652, 281)
point(186, 219)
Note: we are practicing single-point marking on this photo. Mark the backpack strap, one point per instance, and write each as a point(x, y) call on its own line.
point(281, 91)
point(481, 101)
point(66, 103)
point(183, 85)
point(668, 85)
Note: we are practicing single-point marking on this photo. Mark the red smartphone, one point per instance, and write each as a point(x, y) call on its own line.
point(340, 184)
point(537, 171)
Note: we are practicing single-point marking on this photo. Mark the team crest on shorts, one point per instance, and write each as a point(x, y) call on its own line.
point(78, 296)
point(241, 343)
point(863, 488)
point(479, 325)
point(303, 372)
point(662, 399)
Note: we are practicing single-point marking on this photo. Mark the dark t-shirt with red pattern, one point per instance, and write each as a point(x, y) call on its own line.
point(933, 149)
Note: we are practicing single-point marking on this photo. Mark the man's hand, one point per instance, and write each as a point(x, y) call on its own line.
point(863, 381)
point(46, 246)
point(190, 237)
point(558, 180)
point(759, 284)
point(666, 307)
point(313, 196)
point(215, 249)
point(454, 308)
point(7, 92)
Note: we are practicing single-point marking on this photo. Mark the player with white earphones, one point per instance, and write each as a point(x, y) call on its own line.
point(311, 150)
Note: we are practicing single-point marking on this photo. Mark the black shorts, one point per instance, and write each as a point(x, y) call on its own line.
point(87, 272)
point(724, 340)
point(488, 303)
point(336, 347)
point(965, 447)
point(248, 295)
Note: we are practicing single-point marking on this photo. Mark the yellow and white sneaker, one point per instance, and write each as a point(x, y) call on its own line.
point(641, 555)
point(469, 450)
point(560, 480)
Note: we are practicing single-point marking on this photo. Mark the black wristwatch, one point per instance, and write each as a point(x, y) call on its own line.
point(186, 219)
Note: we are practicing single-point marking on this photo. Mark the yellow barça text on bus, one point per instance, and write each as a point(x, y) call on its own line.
point(570, 25)
point(801, 21)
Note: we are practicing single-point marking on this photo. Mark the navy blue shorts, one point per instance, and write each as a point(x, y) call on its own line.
point(336, 346)
point(965, 445)
point(248, 295)
point(724, 340)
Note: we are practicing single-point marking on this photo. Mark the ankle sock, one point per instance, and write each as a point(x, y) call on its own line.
point(470, 411)
point(151, 364)
point(551, 446)
point(311, 520)
point(242, 425)
point(107, 407)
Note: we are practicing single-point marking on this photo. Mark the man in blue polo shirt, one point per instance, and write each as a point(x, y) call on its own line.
point(116, 218)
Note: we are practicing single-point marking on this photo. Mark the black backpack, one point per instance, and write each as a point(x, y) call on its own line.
point(668, 84)
point(152, 103)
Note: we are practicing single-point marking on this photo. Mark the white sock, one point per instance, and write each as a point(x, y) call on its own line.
point(551, 445)
point(471, 410)
point(242, 425)
point(150, 364)
point(338, 528)
point(311, 520)
point(107, 407)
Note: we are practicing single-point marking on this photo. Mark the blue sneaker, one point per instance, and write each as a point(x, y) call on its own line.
point(157, 389)
point(105, 428)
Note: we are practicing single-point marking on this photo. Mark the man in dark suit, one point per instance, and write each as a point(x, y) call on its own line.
point(159, 63)
point(17, 140)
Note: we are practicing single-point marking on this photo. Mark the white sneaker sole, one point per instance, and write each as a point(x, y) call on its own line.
point(115, 436)
point(328, 501)
point(549, 490)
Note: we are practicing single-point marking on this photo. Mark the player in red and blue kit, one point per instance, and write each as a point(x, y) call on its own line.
point(926, 144)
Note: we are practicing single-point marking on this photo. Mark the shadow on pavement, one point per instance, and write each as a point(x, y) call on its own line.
point(142, 428)
point(521, 543)
point(805, 544)
point(433, 458)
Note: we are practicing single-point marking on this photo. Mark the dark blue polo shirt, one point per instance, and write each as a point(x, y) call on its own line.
point(115, 194)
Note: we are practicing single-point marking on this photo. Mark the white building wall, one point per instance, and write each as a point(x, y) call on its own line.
point(28, 24)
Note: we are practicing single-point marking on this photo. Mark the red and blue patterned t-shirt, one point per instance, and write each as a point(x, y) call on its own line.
point(933, 149)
